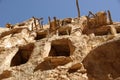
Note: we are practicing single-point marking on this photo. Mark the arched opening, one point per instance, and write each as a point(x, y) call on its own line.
point(61, 47)
point(23, 55)
point(103, 62)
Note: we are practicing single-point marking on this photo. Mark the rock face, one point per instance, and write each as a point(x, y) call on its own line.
point(85, 48)
point(103, 61)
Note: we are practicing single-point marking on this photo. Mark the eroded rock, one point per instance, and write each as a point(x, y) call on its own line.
point(103, 60)
point(75, 67)
point(52, 62)
point(5, 74)
point(57, 51)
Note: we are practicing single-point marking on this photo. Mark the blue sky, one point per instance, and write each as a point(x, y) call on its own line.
point(15, 11)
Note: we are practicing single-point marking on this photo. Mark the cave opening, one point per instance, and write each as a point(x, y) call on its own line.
point(59, 54)
point(23, 55)
point(61, 47)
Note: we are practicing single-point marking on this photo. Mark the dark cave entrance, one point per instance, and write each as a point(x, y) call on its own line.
point(61, 47)
point(23, 55)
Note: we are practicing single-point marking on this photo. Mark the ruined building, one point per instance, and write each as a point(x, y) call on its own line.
point(83, 48)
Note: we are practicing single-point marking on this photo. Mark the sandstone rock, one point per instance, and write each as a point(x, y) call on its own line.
point(53, 62)
point(103, 60)
point(3, 29)
point(75, 67)
point(5, 74)
point(29, 52)
point(5, 58)
point(96, 24)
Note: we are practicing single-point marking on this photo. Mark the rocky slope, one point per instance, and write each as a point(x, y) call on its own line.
point(85, 48)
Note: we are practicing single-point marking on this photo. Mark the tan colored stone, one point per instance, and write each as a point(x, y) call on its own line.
point(29, 52)
point(76, 66)
point(5, 74)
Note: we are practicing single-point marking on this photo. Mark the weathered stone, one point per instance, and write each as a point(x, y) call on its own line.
point(5, 58)
point(13, 31)
point(103, 60)
point(56, 52)
point(5, 74)
point(23, 55)
point(41, 34)
point(52, 62)
point(64, 30)
point(75, 67)
point(96, 24)
point(61, 47)
point(3, 29)
point(66, 21)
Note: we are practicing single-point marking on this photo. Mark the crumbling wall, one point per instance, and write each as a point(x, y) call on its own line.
point(6, 56)
point(96, 24)
point(32, 50)
point(59, 54)
point(64, 30)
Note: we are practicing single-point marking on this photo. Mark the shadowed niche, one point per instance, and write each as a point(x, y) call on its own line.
point(41, 35)
point(23, 55)
point(61, 47)
point(59, 55)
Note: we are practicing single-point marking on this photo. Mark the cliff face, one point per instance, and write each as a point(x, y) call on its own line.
point(85, 48)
